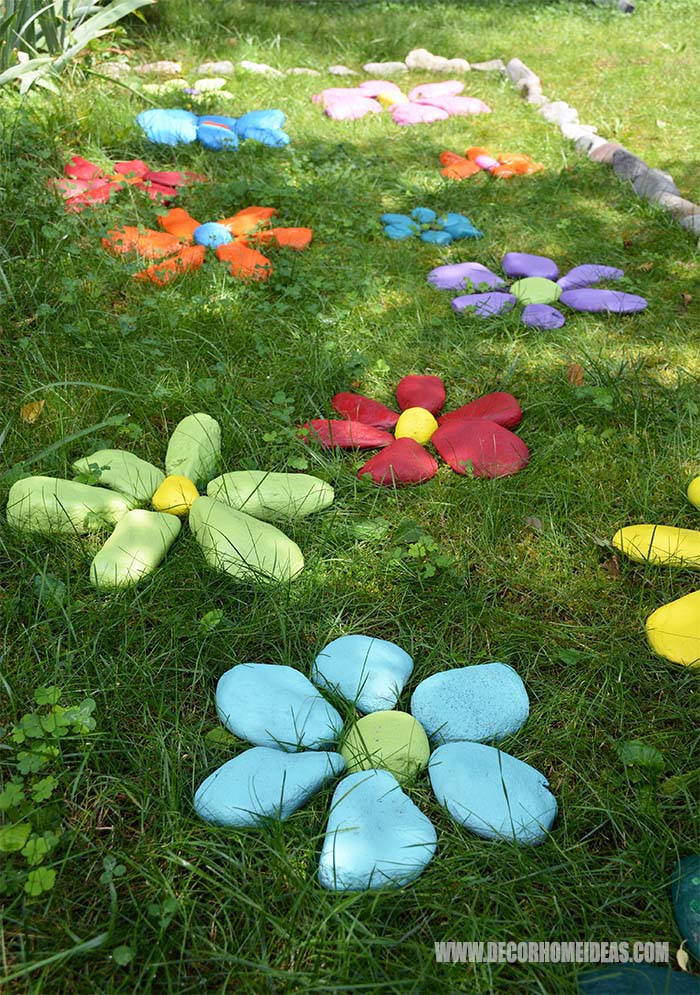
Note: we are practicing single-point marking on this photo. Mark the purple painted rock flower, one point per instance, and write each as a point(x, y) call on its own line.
point(533, 282)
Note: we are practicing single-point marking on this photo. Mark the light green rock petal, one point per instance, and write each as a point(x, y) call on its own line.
point(536, 290)
point(50, 504)
point(135, 548)
point(194, 449)
point(271, 496)
point(124, 472)
point(243, 546)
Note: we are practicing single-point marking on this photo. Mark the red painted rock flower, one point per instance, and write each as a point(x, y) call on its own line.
point(86, 184)
point(474, 439)
point(183, 243)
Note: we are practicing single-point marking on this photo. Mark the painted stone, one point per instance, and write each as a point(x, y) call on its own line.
point(48, 504)
point(403, 462)
point(417, 424)
point(486, 701)
point(588, 274)
point(636, 979)
point(415, 391)
point(275, 706)
point(457, 276)
point(491, 793)
point(480, 447)
point(123, 472)
point(693, 492)
point(685, 892)
point(524, 264)
point(369, 672)
point(356, 407)
point(347, 434)
point(593, 301)
point(542, 316)
point(485, 305)
point(194, 448)
point(376, 837)
point(674, 630)
point(212, 234)
point(497, 406)
point(175, 496)
point(663, 545)
point(272, 496)
point(137, 546)
point(263, 783)
point(536, 290)
point(392, 741)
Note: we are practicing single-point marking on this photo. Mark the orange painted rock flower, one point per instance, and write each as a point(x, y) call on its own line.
point(477, 160)
point(183, 243)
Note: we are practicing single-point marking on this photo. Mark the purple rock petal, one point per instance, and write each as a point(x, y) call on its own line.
point(455, 275)
point(587, 275)
point(519, 264)
point(485, 305)
point(593, 301)
point(542, 316)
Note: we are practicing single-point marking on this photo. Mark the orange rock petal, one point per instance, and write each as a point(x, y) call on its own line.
point(180, 223)
point(149, 244)
point(248, 219)
point(188, 258)
point(294, 238)
point(244, 263)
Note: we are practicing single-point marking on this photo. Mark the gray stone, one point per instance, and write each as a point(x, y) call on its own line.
point(585, 142)
point(679, 207)
point(224, 68)
point(421, 58)
point(654, 183)
point(692, 223)
point(626, 165)
point(382, 69)
point(559, 112)
point(302, 71)
point(161, 68)
point(114, 69)
point(341, 71)
point(492, 66)
point(575, 131)
point(261, 68)
point(604, 152)
point(517, 70)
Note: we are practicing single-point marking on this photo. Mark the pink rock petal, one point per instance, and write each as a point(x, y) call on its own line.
point(347, 434)
point(373, 87)
point(498, 406)
point(403, 462)
point(428, 91)
point(482, 445)
point(406, 114)
point(458, 106)
point(416, 391)
point(356, 407)
point(351, 108)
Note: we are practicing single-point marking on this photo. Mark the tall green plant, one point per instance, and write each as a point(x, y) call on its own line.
point(38, 39)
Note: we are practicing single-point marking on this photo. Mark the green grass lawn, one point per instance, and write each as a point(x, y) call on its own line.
point(455, 571)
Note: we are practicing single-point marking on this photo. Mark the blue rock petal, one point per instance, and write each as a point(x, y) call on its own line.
point(263, 783)
point(371, 673)
point(275, 706)
point(168, 127)
point(375, 837)
point(218, 133)
point(491, 793)
point(399, 232)
point(437, 237)
point(424, 216)
point(267, 120)
point(461, 227)
point(637, 979)
point(486, 701)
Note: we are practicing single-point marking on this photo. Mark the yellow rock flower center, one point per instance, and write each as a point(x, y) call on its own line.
point(175, 496)
point(417, 424)
point(392, 741)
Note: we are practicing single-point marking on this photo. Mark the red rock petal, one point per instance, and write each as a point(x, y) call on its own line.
point(82, 169)
point(498, 406)
point(421, 392)
point(490, 449)
point(347, 434)
point(132, 167)
point(403, 462)
point(356, 407)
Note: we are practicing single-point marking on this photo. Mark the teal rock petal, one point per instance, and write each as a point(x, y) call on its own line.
point(423, 215)
point(375, 837)
point(276, 706)
point(437, 237)
point(685, 890)
point(370, 673)
point(486, 701)
point(491, 793)
point(122, 471)
point(636, 979)
point(263, 784)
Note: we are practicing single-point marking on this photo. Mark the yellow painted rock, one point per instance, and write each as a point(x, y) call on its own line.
point(417, 424)
point(176, 495)
point(388, 740)
point(663, 545)
point(694, 491)
point(674, 630)
point(388, 100)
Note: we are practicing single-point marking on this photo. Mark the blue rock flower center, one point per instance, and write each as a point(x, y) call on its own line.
point(212, 234)
point(388, 740)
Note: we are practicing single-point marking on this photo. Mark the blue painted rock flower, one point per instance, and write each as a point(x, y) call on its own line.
point(376, 835)
point(218, 132)
point(231, 524)
point(474, 439)
point(425, 224)
point(533, 284)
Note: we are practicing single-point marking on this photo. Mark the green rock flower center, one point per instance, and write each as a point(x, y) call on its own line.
point(536, 290)
point(392, 741)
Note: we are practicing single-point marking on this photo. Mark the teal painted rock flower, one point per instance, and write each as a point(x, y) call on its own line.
point(376, 835)
point(425, 224)
point(231, 524)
